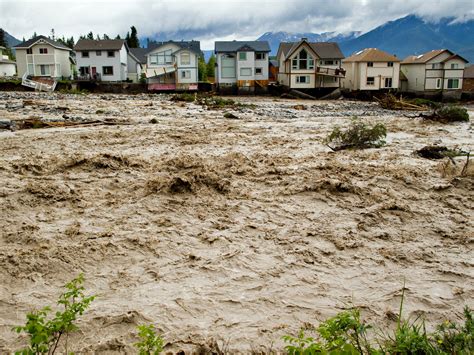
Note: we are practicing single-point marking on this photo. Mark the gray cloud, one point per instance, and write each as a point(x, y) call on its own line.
point(208, 20)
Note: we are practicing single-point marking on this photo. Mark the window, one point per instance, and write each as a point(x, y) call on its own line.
point(111, 54)
point(84, 71)
point(43, 50)
point(185, 58)
point(57, 70)
point(453, 83)
point(303, 61)
point(153, 59)
point(436, 66)
point(336, 62)
point(329, 62)
point(186, 74)
point(438, 83)
point(98, 53)
point(107, 70)
point(454, 65)
point(388, 82)
point(302, 79)
point(29, 51)
point(370, 64)
point(390, 64)
point(370, 80)
point(44, 70)
point(164, 57)
point(228, 66)
point(243, 56)
point(258, 71)
point(31, 69)
point(85, 54)
point(245, 71)
point(259, 56)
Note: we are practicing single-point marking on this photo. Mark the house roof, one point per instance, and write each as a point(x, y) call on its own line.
point(235, 46)
point(194, 46)
point(455, 56)
point(469, 72)
point(31, 42)
point(140, 54)
point(371, 55)
point(6, 61)
point(425, 57)
point(324, 50)
point(97, 45)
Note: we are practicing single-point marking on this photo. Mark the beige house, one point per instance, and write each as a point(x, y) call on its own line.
point(43, 57)
point(371, 69)
point(7, 66)
point(436, 71)
point(309, 65)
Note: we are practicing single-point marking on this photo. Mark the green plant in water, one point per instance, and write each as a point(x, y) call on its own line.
point(150, 343)
point(358, 135)
point(46, 334)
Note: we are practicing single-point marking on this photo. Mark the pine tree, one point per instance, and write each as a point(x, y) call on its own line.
point(90, 35)
point(202, 69)
point(105, 36)
point(70, 42)
point(118, 37)
point(132, 40)
point(211, 64)
point(3, 41)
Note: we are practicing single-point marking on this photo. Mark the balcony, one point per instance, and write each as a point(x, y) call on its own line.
point(338, 72)
point(88, 77)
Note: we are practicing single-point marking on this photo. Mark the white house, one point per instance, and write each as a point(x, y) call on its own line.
point(371, 69)
point(7, 66)
point(435, 71)
point(104, 60)
point(309, 65)
point(173, 65)
point(43, 57)
point(242, 63)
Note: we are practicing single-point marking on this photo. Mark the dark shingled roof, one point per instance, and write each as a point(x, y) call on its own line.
point(97, 45)
point(194, 46)
point(140, 54)
point(234, 46)
point(30, 42)
point(324, 50)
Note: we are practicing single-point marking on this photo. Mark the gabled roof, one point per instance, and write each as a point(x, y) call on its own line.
point(139, 54)
point(235, 46)
point(425, 57)
point(455, 56)
point(97, 45)
point(33, 41)
point(371, 55)
point(469, 72)
point(324, 50)
point(194, 46)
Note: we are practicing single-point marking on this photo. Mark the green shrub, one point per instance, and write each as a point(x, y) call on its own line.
point(186, 97)
point(46, 334)
point(359, 135)
point(450, 113)
point(150, 342)
point(425, 102)
point(454, 339)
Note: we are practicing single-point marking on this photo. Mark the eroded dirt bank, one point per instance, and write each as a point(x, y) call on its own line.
point(227, 232)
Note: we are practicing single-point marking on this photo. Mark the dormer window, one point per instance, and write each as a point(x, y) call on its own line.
point(43, 50)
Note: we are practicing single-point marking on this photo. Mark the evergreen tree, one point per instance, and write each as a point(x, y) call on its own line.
point(202, 69)
point(70, 42)
point(132, 39)
point(3, 40)
point(118, 37)
point(53, 34)
point(127, 39)
point(105, 36)
point(90, 35)
point(211, 64)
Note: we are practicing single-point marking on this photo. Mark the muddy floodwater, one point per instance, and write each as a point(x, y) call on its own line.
point(227, 233)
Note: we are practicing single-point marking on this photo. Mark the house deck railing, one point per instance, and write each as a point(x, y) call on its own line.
point(338, 72)
point(88, 77)
point(38, 85)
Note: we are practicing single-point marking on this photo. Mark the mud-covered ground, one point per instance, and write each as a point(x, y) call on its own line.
point(227, 233)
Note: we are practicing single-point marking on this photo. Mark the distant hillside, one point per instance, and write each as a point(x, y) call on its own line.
point(12, 41)
point(412, 35)
point(274, 38)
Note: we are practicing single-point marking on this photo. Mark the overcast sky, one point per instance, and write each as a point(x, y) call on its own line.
point(209, 20)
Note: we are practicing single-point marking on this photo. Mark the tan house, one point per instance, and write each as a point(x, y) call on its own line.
point(7, 66)
point(436, 71)
point(43, 57)
point(371, 69)
point(309, 65)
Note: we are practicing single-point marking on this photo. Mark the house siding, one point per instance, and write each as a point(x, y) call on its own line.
point(55, 56)
point(118, 62)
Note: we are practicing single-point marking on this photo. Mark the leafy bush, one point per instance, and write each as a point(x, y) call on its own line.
point(425, 102)
point(186, 97)
point(150, 342)
point(454, 339)
point(45, 335)
point(358, 136)
point(450, 113)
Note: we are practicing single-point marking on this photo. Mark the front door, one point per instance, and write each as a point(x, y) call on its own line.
point(94, 71)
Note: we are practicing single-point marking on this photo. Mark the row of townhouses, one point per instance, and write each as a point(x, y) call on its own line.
point(173, 65)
